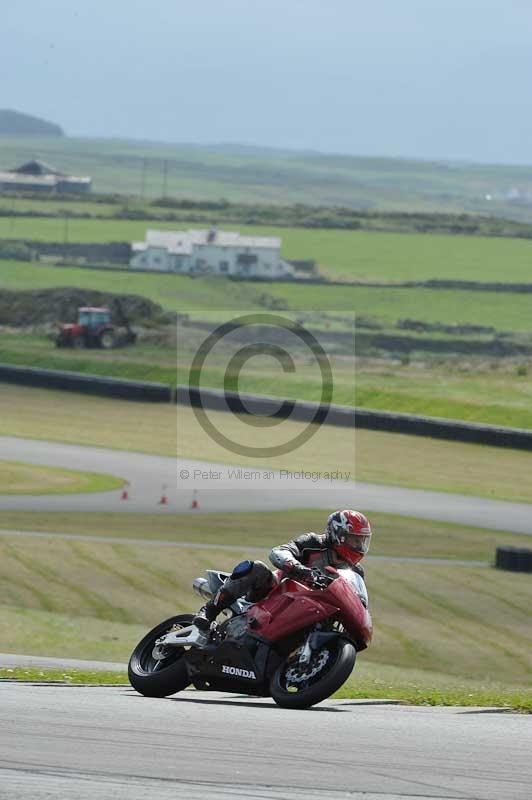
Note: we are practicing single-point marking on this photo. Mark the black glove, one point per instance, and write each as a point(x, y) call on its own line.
point(311, 576)
point(300, 572)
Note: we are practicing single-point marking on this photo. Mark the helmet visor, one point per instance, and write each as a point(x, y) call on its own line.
point(358, 542)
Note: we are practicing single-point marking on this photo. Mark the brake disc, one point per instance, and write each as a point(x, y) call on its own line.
point(295, 675)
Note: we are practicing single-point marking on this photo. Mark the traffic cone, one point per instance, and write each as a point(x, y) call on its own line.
point(195, 503)
point(164, 499)
point(125, 492)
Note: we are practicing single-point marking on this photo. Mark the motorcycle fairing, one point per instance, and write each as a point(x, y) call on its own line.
point(289, 607)
point(249, 655)
point(292, 606)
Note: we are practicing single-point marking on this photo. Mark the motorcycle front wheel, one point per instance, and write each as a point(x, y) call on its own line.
point(161, 676)
point(296, 685)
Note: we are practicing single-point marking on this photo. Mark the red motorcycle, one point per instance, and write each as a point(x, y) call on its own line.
point(298, 645)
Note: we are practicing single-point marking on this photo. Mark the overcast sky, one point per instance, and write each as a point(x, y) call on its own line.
point(424, 78)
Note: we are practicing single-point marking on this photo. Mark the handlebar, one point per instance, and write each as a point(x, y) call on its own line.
point(320, 580)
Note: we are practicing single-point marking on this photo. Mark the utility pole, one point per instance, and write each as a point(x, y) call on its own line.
point(12, 220)
point(165, 177)
point(143, 179)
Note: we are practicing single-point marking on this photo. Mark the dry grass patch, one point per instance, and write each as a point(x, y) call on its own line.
point(394, 535)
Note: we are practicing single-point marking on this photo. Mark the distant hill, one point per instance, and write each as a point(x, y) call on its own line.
point(14, 123)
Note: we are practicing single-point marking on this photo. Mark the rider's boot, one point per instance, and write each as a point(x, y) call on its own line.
point(208, 613)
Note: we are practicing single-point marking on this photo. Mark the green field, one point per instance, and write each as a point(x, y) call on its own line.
point(202, 297)
point(477, 388)
point(17, 478)
point(493, 392)
point(432, 635)
point(260, 175)
point(340, 254)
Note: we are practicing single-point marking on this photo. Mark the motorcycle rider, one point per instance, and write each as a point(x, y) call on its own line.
point(343, 544)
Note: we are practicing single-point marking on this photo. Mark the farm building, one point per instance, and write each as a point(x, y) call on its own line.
point(37, 176)
point(211, 251)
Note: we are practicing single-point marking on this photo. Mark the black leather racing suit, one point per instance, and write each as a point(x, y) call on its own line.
point(254, 580)
point(311, 550)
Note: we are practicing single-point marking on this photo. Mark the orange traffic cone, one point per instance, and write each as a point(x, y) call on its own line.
point(195, 503)
point(164, 499)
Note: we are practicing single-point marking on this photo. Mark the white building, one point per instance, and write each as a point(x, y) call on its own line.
point(211, 251)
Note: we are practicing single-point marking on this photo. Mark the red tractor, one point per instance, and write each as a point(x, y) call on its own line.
point(93, 329)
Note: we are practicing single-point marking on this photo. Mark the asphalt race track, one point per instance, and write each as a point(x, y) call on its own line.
point(95, 743)
point(219, 489)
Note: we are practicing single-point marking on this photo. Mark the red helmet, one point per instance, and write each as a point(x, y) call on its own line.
point(349, 532)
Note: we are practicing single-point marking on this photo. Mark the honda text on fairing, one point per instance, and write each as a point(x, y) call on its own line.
point(298, 645)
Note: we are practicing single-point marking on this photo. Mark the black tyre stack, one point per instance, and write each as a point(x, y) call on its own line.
point(514, 559)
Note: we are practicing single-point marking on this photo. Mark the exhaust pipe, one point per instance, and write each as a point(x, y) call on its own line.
point(201, 587)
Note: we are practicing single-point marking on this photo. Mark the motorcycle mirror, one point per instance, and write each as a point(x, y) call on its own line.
point(331, 570)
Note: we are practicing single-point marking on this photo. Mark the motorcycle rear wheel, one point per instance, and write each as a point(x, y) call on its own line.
point(306, 693)
point(163, 677)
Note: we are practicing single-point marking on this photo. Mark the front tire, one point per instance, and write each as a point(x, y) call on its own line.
point(159, 677)
point(297, 686)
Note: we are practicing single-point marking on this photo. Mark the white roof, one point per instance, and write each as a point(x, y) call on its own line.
point(182, 242)
point(19, 178)
point(52, 180)
point(173, 241)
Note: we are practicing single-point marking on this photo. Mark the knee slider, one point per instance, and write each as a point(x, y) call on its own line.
point(242, 569)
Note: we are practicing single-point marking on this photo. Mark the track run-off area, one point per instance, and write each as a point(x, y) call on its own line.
point(220, 487)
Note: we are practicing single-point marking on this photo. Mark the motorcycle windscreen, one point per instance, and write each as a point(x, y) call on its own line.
point(355, 616)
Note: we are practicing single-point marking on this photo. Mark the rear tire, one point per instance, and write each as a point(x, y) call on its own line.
point(161, 678)
point(337, 668)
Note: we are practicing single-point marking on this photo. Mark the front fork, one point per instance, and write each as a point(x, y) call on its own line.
point(314, 641)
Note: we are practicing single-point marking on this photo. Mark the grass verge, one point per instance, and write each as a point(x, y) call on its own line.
point(70, 676)
point(370, 681)
point(429, 688)
point(17, 478)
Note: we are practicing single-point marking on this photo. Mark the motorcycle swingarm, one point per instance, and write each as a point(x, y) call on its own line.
point(183, 637)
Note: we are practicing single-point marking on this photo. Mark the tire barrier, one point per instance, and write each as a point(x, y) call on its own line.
point(239, 403)
point(514, 559)
point(343, 416)
point(439, 428)
point(86, 384)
